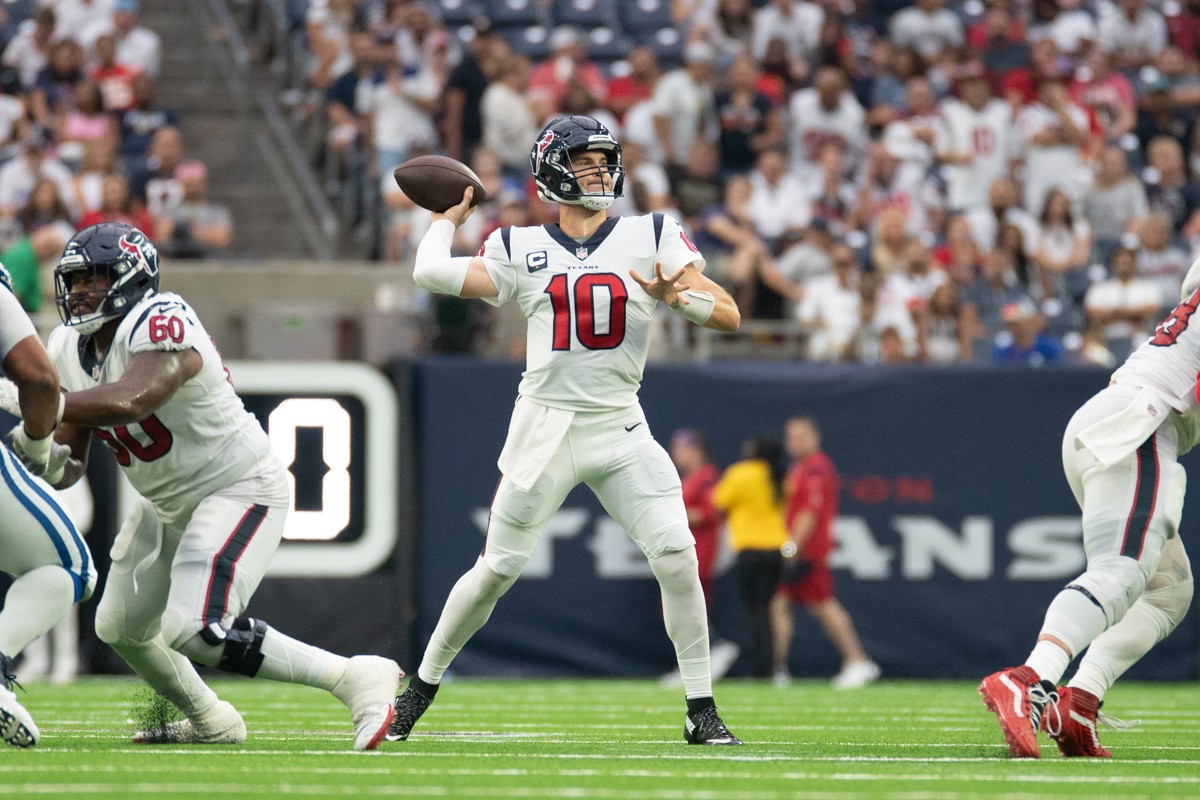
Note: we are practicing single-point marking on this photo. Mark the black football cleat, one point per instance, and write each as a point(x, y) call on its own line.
point(409, 707)
point(705, 727)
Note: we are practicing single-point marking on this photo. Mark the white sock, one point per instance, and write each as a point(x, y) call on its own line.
point(1072, 619)
point(1120, 647)
point(170, 674)
point(468, 607)
point(285, 659)
point(685, 618)
point(35, 603)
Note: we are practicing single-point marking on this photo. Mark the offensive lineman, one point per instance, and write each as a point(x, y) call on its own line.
point(143, 375)
point(39, 544)
point(577, 417)
point(1119, 453)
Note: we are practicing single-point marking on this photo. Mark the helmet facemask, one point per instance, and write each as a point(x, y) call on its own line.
point(109, 303)
point(120, 253)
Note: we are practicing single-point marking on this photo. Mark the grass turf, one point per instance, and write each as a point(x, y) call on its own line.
point(605, 739)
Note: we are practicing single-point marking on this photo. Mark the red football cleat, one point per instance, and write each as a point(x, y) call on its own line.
point(1017, 697)
point(1071, 722)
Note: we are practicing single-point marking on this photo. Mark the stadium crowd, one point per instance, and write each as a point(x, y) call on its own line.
point(1006, 181)
point(83, 139)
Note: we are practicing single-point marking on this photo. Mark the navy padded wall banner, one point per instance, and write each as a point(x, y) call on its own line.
point(956, 525)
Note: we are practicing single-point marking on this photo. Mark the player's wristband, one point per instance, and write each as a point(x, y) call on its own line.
point(62, 407)
point(434, 268)
point(699, 308)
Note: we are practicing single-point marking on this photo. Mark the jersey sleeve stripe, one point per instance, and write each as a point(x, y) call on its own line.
point(658, 228)
point(506, 237)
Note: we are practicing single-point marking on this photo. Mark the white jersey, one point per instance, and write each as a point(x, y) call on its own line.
point(986, 134)
point(589, 322)
point(812, 127)
point(201, 440)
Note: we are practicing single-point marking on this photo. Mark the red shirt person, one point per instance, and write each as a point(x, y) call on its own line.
point(811, 507)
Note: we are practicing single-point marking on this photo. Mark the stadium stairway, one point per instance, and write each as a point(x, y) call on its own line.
point(231, 122)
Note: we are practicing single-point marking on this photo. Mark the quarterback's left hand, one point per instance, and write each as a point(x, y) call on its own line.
point(664, 287)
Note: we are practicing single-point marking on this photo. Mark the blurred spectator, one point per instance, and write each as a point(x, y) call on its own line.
point(942, 338)
point(411, 34)
point(884, 93)
point(116, 79)
point(568, 63)
point(959, 255)
point(1126, 305)
point(683, 107)
point(76, 19)
point(348, 125)
point(137, 46)
point(12, 113)
point(832, 194)
point(462, 117)
point(750, 492)
point(21, 173)
point(827, 112)
point(116, 205)
point(1000, 40)
point(928, 26)
point(196, 227)
point(729, 25)
point(647, 188)
point(1067, 22)
point(809, 257)
point(749, 124)
point(1159, 116)
point(830, 307)
point(1051, 133)
point(796, 23)
point(1002, 209)
point(1168, 189)
point(401, 109)
point(99, 162)
point(24, 257)
point(885, 333)
point(327, 26)
point(509, 120)
point(154, 183)
point(1019, 85)
point(728, 236)
point(634, 85)
point(896, 176)
point(1107, 94)
point(29, 51)
point(915, 278)
point(44, 206)
point(1160, 261)
point(85, 121)
point(986, 297)
point(1023, 343)
point(54, 90)
point(976, 144)
point(1180, 72)
point(1115, 202)
point(778, 202)
point(1132, 33)
point(1062, 249)
point(781, 75)
point(889, 241)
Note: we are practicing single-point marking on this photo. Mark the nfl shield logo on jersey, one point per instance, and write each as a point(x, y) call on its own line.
point(581, 252)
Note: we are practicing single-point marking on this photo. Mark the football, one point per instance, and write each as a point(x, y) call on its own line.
point(437, 182)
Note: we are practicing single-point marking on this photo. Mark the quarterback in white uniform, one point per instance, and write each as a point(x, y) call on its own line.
point(142, 374)
point(1120, 454)
point(39, 544)
point(577, 418)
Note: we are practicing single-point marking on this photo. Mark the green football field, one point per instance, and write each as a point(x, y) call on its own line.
point(605, 739)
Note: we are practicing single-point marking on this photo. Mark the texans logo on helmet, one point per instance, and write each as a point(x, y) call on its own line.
point(542, 144)
point(128, 244)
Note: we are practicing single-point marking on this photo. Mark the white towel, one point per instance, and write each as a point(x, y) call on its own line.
point(534, 434)
point(1115, 437)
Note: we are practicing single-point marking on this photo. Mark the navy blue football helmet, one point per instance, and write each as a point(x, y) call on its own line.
point(555, 176)
point(131, 262)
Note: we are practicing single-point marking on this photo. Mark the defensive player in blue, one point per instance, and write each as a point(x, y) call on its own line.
point(577, 420)
point(39, 544)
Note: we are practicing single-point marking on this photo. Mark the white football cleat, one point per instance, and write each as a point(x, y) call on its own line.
point(16, 726)
point(856, 675)
point(221, 724)
point(368, 688)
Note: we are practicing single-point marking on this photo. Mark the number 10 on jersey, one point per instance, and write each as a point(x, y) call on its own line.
point(595, 329)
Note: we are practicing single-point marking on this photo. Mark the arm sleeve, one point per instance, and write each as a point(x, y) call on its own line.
point(15, 324)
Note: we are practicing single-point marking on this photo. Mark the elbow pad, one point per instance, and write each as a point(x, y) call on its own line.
point(434, 268)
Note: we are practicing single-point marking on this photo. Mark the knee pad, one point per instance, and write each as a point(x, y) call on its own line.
point(1113, 583)
point(241, 645)
point(509, 547)
point(676, 566)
